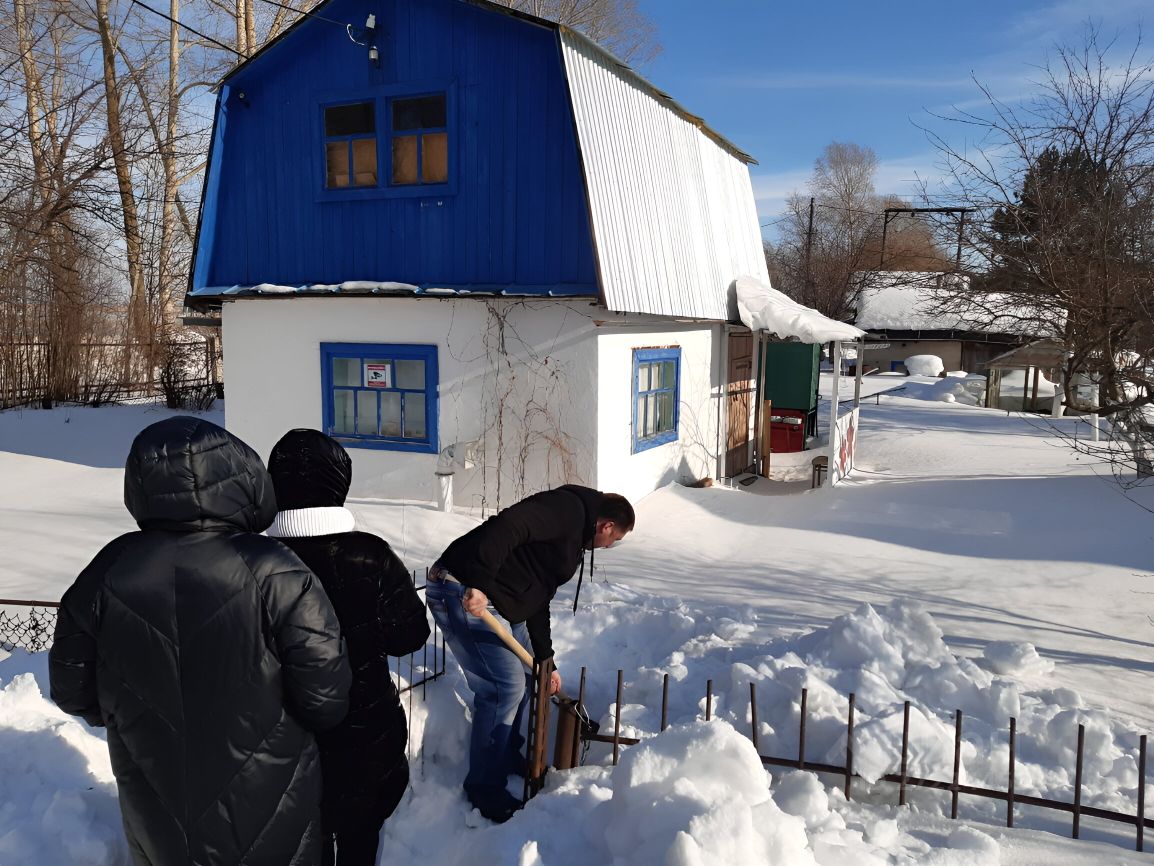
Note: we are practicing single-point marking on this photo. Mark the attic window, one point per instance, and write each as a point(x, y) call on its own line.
point(420, 140)
point(350, 145)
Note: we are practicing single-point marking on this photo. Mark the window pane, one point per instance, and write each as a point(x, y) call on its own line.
point(411, 374)
point(423, 112)
point(343, 411)
point(415, 426)
point(346, 371)
point(405, 159)
point(366, 413)
point(364, 162)
point(669, 374)
point(435, 157)
point(664, 411)
point(336, 164)
point(650, 415)
point(390, 413)
point(356, 119)
point(642, 377)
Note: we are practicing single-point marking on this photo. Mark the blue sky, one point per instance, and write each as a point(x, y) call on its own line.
point(782, 79)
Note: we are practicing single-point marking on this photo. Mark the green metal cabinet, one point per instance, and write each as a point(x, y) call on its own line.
point(789, 375)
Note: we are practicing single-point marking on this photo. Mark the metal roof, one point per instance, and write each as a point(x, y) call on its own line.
point(673, 214)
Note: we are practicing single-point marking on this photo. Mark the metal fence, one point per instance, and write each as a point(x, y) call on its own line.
point(29, 625)
point(99, 376)
point(1010, 796)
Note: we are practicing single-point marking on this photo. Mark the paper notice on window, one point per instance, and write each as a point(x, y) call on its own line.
point(378, 375)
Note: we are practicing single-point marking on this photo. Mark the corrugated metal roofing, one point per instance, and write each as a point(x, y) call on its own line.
point(674, 220)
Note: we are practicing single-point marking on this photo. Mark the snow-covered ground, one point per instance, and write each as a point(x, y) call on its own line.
point(974, 561)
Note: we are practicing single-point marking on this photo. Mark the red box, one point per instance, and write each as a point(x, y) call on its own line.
point(786, 430)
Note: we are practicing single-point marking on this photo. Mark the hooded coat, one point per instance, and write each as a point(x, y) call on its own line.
point(210, 653)
point(364, 760)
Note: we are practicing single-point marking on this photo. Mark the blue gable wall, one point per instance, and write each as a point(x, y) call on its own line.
point(513, 215)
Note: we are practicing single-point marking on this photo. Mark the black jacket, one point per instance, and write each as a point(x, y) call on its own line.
point(210, 653)
point(520, 556)
point(364, 760)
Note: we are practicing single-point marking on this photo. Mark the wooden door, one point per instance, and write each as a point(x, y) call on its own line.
point(739, 399)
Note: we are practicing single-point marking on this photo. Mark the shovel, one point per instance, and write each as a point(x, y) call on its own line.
point(523, 654)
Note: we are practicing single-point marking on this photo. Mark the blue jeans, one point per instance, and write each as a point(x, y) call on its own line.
point(500, 686)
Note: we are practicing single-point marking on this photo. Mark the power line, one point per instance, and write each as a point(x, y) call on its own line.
point(305, 12)
point(203, 36)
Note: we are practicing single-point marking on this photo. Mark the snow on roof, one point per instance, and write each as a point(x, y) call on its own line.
point(388, 287)
point(763, 308)
point(909, 301)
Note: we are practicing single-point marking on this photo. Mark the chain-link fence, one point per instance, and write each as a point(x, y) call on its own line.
point(27, 625)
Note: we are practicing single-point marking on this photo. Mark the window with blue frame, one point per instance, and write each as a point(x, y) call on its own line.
point(656, 396)
point(381, 395)
point(350, 145)
point(419, 140)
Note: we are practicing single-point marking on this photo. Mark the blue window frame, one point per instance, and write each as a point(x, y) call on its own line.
point(350, 145)
point(656, 397)
point(398, 140)
point(380, 395)
point(419, 140)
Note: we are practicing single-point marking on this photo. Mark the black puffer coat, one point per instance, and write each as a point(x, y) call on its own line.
point(210, 653)
point(520, 556)
point(364, 759)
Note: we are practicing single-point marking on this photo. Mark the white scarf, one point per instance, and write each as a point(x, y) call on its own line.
point(306, 522)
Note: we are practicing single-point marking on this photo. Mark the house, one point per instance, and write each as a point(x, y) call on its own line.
point(481, 252)
point(898, 310)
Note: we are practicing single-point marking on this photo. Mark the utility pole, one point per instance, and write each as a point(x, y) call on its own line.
point(893, 212)
point(808, 252)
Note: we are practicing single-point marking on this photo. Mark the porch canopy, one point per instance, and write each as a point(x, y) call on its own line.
point(1042, 354)
point(763, 308)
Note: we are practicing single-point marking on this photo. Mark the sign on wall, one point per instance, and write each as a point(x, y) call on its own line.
point(843, 446)
point(379, 375)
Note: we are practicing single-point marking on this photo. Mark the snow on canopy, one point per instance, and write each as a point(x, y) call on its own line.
point(763, 308)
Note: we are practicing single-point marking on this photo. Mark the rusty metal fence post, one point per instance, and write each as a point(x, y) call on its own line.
point(537, 743)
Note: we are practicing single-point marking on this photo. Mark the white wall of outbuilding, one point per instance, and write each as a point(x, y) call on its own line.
point(563, 385)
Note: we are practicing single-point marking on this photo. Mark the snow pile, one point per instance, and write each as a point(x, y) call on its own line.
point(697, 795)
point(1015, 658)
point(956, 387)
point(763, 308)
point(57, 792)
point(924, 365)
point(884, 655)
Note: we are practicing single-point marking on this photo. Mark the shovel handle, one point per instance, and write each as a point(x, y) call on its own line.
point(503, 633)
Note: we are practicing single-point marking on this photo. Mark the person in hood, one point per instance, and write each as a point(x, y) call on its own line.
point(514, 561)
point(363, 759)
point(210, 653)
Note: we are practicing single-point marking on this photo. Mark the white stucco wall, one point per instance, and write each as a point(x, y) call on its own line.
point(545, 382)
point(694, 454)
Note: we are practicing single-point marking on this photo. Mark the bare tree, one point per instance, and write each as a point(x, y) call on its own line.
point(1065, 185)
point(617, 24)
point(835, 233)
